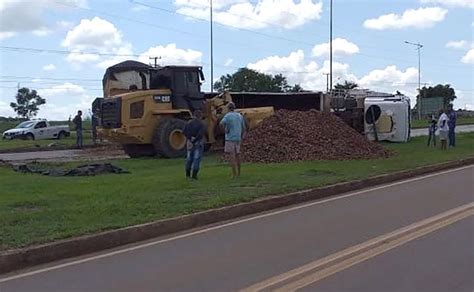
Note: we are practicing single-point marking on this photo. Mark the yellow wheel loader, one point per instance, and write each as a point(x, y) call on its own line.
point(145, 109)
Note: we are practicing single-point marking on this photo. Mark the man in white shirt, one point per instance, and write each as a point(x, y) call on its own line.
point(443, 129)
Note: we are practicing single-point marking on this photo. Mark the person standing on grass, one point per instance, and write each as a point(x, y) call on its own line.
point(94, 125)
point(432, 132)
point(451, 126)
point(194, 132)
point(443, 129)
point(233, 124)
point(78, 125)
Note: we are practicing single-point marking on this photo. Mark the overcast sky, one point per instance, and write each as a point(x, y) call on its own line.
point(43, 43)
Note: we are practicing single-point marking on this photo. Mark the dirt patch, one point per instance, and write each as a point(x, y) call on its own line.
point(28, 207)
point(82, 170)
point(318, 173)
point(307, 135)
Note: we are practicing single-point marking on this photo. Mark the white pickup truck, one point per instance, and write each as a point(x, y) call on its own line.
point(36, 130)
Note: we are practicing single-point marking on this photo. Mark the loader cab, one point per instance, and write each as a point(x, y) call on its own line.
point(184, 83)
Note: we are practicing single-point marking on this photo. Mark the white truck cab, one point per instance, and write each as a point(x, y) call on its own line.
point(387, 117)
point(36, 130)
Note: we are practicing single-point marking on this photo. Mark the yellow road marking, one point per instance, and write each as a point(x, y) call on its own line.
point(324, 267)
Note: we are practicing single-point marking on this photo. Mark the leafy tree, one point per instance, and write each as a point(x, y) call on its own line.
point(296, 88)
point(252, 81)
point(27, 103)
point(346, 85)
point(440, 90)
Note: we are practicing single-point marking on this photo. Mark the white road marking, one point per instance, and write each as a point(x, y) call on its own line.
point(205, 230)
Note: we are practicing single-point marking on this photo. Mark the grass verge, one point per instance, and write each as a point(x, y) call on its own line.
point(36, 209)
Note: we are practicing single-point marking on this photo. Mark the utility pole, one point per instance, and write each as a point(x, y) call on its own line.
point(327, 81)
point(154, 58)
point(212, 48)
point(418, 48)
point(330, 45)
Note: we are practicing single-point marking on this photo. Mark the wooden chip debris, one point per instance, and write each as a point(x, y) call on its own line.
point(307, 135)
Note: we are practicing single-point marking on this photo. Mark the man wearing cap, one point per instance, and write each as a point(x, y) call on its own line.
point(233, 124)
point(194, 132)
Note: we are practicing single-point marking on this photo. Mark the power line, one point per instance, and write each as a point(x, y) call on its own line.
point(317, 22)
point(203, 19)
point(221, 24)
point(65, 52)
point(47, 78)
point(164, 28)
point(242, 16)
point(55, 88)
point(276, 24)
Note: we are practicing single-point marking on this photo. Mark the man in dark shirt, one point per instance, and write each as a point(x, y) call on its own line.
point(78, 125)
point(194, 132)
point(432, 131)
point(452, 126)
point(94, 125)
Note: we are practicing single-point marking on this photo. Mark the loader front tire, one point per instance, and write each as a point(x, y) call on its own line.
point(169, 140)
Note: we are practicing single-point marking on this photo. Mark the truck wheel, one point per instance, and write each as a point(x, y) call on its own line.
point(169, 140)
point(139, 150)
point(61, 135)
point(30, 136)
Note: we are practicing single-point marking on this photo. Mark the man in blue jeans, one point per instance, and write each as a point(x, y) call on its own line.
point(234, 125)
point(194, 132)
point(452, 126)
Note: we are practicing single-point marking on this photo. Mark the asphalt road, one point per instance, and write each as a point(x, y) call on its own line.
point(242, 253)
point(442, 261)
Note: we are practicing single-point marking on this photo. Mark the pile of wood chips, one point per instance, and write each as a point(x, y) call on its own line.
point(307, 135)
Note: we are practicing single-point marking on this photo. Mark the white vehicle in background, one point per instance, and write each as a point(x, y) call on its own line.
point(37, 130)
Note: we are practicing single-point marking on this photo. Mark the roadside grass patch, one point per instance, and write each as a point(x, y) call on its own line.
point(156, 188)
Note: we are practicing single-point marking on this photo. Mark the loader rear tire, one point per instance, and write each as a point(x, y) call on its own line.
point(139, 150)
point(169, 140)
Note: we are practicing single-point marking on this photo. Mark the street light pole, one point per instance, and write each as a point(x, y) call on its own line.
point(330, 45)
point(212, 49)
point(418, 47)
point(327, 82)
